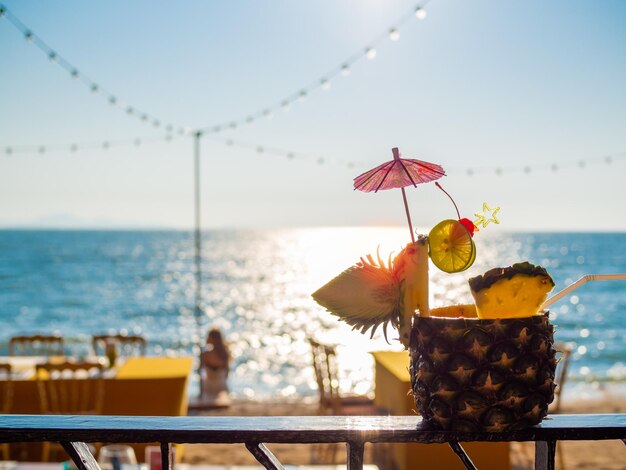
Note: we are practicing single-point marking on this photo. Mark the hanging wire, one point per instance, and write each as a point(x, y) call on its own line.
point(74, 147)
point(284, 104)
point(76, 74)
point(324, 82)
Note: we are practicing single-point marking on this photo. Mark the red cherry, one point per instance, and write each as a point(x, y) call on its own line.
point(469, 225)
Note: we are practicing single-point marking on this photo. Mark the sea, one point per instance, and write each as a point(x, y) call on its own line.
point(256, 287)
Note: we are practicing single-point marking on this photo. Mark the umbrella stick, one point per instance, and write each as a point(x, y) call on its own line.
point(408, 216)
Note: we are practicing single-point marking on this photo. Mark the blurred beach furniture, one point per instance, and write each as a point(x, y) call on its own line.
point(137, 386)
point(74, 388)
point(125, 345)
point(36, 345)
point(6, 399)
point(565, 350)
point(327, 377)
point(393, 391)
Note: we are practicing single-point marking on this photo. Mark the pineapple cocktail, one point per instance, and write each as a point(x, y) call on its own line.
point(488, 366)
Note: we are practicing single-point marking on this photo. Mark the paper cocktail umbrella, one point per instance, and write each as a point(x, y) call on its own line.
point(399, 173)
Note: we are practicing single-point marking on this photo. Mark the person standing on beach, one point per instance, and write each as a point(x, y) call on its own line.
point(215, 363)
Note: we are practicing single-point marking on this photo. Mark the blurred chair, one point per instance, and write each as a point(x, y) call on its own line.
point(36, 345)
point(75, 388)
point(326, 375)
point(331, 402)
point(6, 399)
point(565, 349)
point(125, 345)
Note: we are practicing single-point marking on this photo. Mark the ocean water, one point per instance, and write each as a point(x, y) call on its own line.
point(256, 287)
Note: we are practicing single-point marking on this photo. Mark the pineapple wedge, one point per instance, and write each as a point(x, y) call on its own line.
point(512, 292)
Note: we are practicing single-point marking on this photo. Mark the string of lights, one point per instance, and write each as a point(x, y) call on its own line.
point(81, 77)
point(469, 171)
point(294, 155)
point(78, 146)
point(323, 83)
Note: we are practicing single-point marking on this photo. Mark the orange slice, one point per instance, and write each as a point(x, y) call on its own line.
point(451, 246)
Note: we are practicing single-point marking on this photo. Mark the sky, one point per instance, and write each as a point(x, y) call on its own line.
point(495, 92)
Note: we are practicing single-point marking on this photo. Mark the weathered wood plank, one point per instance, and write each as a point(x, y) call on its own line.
point(81, 455)
point(264, 456)
point(288, 429)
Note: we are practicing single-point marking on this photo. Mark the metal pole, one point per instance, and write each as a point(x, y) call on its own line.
point(198, 247)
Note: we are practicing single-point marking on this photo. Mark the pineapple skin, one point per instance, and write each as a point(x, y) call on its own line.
point(482, 375)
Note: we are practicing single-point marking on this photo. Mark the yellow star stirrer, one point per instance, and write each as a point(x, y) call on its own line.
point(483, 219)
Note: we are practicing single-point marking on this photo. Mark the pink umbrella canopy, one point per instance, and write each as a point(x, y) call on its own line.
point(399, 173)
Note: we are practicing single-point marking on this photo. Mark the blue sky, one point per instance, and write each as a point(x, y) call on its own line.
point(476, 85)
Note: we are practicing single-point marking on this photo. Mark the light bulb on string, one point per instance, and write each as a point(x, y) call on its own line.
point(94, 88)
point(2, 10)
point(325, 84)
point(105, 145)
point(217, 129)
point(260, 149)
point(498, 171)
point(527, 170)
point(28, 35)
point(345, 70)
point(73, 148)
point(41, 149)
point(420, 13)
point(156, 123)
point(394, 35)
point(169, 128)
point(233, 125)
point(74, 73)
point(144, 117)
point(137, 142)
point(285, 105)
point(554, 167)
point(302, 95)
point(112, 100)
point(8, 150)
point(267, 114)
point(52, 56)
point(608, 159)
point(581, 164)
point(370, 53)
point(250, 119)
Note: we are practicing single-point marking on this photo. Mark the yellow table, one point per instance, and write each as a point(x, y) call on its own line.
point(393, 392)
point(140, 386)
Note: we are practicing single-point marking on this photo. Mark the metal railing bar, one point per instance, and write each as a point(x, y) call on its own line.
point(465, 459)
point(355, 451)
point(264, 456)
point(288, 429)
point(81, 455)
point(166, 463)
point(545, 452)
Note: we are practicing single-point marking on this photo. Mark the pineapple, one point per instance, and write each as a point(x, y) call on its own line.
point(372, 293)
point(516, 291)
point(482, 375)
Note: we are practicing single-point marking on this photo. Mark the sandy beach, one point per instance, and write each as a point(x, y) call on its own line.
point(608, 455)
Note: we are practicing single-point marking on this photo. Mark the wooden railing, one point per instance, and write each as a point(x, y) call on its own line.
point(73, 432)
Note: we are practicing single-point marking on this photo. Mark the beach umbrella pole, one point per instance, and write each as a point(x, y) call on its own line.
point(408, 216)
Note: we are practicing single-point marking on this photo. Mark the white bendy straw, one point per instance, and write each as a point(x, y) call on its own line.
point(583, 280)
